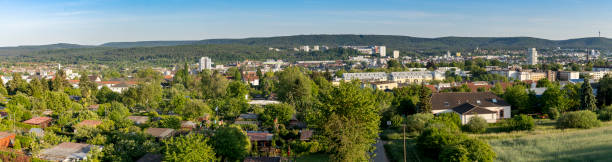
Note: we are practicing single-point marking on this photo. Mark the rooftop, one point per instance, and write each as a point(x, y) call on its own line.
point(66, 150)
point(91, 123)
point(160, 132)
point(443, 101)
point(38, 120)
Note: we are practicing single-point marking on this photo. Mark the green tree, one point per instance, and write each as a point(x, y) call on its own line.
point(517, 97)
point(587, 99)
point(237, 89)
point(213, 85)
point(232, 107)
point(294, 87)
point(349, 121)
point(554, 101)
point(231, 143)
point(424, 100)
point(192, 147)
point(281, 112)
point(60, 81)
point(604, 92)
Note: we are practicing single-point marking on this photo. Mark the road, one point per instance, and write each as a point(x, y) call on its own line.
point(381, 156)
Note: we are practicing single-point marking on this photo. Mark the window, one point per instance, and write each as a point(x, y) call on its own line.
point(501, 114)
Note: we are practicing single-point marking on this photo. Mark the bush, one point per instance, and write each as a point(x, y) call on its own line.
point(437, 135)
point(476, 125)
point(520, 122)
point(605, 114)
point(417, 122)
point(578, 119)
point(454, 153)
point(449, 117)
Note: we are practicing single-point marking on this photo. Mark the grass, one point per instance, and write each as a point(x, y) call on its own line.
point(313, 157)
point(546, 143)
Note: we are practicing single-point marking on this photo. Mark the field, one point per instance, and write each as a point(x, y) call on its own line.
point(545, 143)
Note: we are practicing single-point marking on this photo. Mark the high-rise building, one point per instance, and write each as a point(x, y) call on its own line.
point(395, 53)
point(315, 48)
point(205, 63)
point(533, 56)
point(382, 50)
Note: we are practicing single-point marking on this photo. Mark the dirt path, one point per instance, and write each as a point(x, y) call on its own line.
point(381, 156)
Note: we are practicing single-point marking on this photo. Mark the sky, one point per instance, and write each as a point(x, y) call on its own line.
point(93, 22)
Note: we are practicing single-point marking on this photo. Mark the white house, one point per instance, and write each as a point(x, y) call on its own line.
point(469, 104)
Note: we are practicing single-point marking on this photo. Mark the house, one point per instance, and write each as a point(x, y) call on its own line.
point(251, 78)
point(160, 132)
point(188, 125)
point(67, 151)
point(262, 140)
point(6, 139)
point(477, 103)
point(305, 134)
point(89, 123)
point(139, 119)
point(42, 122)
point(381, 85)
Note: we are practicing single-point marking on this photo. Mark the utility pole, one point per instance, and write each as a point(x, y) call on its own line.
point(404, 138)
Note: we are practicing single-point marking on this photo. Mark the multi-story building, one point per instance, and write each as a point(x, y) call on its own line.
point(596, 75)
point(305, 48)
point(568, 75)
point(382, 85)
point(537, 76)
point(373, 76)
point(411, 76)
point(533, 56)
point(382, 50)
point(205, 63)
point(396, 54)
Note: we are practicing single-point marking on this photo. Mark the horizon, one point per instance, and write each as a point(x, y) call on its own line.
point(70, 43)
point(96, 22)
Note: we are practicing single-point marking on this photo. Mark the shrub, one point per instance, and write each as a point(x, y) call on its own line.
point(436, 136)
point(520, 122)
point(578, 119)
point(449, 117)
point(476, 125)
point(478, 150)
point(454, 153)
point(417, 122)
point(605, 114)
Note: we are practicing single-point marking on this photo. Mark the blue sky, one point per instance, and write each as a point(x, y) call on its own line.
point(92, 22)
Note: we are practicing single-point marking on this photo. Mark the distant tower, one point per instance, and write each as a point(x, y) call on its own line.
point(533, 56)
point(396, 53)
point(382, 50)
point(205, 63)
point(59, 66)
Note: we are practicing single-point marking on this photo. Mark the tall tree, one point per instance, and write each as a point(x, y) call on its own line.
point(604, 92)
point(192, 147)
point(587, 99)
point(349, 120)
point(213, 85)
point(294, 87)
point(555, 101)
point(424, 100)
point(60, 81)
point(231, 143)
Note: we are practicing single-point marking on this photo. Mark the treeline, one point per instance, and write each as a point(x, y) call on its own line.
point(169, 55)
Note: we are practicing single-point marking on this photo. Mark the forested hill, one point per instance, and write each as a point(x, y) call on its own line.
point(33, 48)
point(396, 42)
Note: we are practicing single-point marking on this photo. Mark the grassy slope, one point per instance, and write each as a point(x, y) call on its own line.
point(545, 143)
point(549, 144)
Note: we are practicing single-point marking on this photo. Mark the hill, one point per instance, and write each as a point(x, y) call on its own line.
point(33, 48)
point(391, 41)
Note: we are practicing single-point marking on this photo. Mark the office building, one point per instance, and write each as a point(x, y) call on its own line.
point(205, 63)
point(533, 56)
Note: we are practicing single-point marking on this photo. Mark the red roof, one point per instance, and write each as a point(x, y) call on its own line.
point(38, 120)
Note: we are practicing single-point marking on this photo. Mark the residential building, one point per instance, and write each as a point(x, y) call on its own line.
point(396, 54)
point(305, 48)
point(568, 75)
point(412, 76)
point(535, 76)
point(6, 139)
point(469, 104)
point(67, 151)
point(382, 50)
point(42, 122)
point(382, 85)
point(205, 63)
point(160, 133)
point(533, 56)
point(372, 76)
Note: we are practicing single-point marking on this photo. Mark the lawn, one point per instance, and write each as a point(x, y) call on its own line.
point(545, 143)
point(313, 157)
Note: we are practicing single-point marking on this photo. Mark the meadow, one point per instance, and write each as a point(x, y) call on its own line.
point(544, 143)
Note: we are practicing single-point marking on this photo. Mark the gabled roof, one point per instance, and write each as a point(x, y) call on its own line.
point(443, 101)
point(160, 132)
point(38, 120)
point(7, 134)
point(66, 150)
point(247, 117)
point(260, 136)
point(468, 108)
